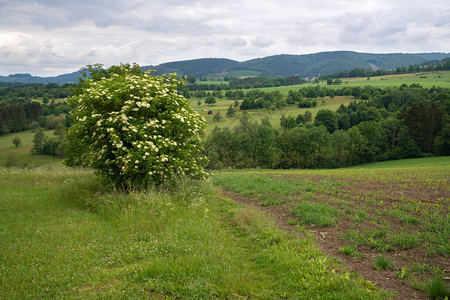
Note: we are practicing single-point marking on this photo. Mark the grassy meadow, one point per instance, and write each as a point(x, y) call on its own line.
point(425, 79)
point(21, 155)
point(257, 114)
point(64, 234)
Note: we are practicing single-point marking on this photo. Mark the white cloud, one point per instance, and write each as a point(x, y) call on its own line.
point(50, 37)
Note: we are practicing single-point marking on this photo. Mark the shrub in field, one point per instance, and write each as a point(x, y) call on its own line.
point(16, 141)
point(134, 128)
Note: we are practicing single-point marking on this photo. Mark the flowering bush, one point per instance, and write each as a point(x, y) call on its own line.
point(134, 128)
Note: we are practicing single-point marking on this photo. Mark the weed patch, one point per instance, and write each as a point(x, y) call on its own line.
point(383, 263)
point(437, 289)
point(350, 251)
point(406, 240)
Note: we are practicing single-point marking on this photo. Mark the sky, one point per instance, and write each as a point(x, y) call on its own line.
point(53, 37)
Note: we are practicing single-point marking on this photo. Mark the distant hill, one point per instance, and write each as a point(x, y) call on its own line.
point(305, 65)
point(323, 63)
point(197, 67)
point(27, 78)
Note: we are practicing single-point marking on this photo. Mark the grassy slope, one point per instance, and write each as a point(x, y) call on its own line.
point(413, 162)
point(428, 80)
point(22, 154)
point(62, 234)
point(257, 114)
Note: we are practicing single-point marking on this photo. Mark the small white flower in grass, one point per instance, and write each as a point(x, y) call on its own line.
point(136, 161)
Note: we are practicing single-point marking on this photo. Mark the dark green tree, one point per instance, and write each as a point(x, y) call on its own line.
point(231, 112)
point(327, 118)
point(217, 117)
point(424, 122)
point(288, 122)
point(210, 100)
point(191, 78)
point(442, 141)
point(300, 119)
point(39, 140)
point(308, 116)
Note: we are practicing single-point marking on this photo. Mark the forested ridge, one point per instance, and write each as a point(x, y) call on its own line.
point(305, 65)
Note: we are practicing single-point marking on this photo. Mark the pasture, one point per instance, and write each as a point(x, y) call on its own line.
point(425, 79)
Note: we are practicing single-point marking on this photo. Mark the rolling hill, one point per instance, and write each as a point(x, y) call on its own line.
point(284, 65)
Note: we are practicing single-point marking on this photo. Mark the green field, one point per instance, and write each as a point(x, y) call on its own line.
point(63, 234)
point(390, 217)
point(425, 79)
point(21, 155)
point(257, 114)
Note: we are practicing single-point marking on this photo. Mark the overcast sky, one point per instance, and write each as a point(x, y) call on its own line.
point(52, 37)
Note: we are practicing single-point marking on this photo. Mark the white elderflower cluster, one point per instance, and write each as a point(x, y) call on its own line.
point(137, 129)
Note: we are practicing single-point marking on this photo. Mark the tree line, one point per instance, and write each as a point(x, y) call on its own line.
point(402, 123)
point(18, 92)
point(20, 110)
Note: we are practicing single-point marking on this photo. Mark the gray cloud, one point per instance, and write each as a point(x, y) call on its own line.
point(262, 41)
point(50, 37)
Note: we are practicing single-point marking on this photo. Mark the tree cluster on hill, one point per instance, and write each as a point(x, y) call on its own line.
point(10, 92)
point(403, 122)
point(15, 117)
point(19, 112)
point(50, 146)
point(264, 81)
